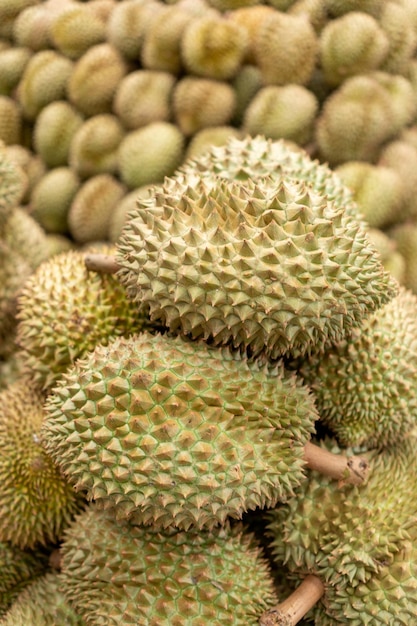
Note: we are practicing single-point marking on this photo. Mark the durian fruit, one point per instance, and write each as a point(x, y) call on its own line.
point(378, 191)
point(44, 80)
point(246, 84)
point(213, 46)
point(128, 23)
point(206, 138)
point(144, 96)
point(287, 112)
point(24, 236)
point(77, 29)
point(352, 44)
point(13, 62)
point(52, 197)
point(249, 18)
point(18, 568)
point(364, 386)
point(9, 10)
point(31, 164)
point(313, 10)
point(359, 543)
point(42, 603)
point(36, 501)
point(91, 208)
point(270, 265)
point(114, 573)
point(95, 78)
point(405, 237)
point(391, 258)
point(285, 49)
point(148, 154)
point(199, 103)
point(122, 210)
point(31, 28)
point(94, 145)
point(396, 24)
point(64, 311)
point(164, 431)
point(10, 121)
point(402, 158)
point(336, 8)
point(13, 182)
point(53, 131)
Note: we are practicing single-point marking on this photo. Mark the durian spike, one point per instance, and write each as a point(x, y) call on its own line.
point(292, 609)
point(103, 263)
point(352, 470)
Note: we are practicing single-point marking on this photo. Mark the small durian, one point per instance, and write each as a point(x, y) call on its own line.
point(13, 183)
point(312, 10)
point(31, 164)
point(31, 28)
point(94, 145)
point(164, 431)
point(94, 79)
point(206, 138)
point(246, 84)
point(42, 603)
point(53, 131)
point(397, 26)
point(270, 264)
point(123, 208)
point(12, 62)
point(144, 96)
point(52, 197)
point(65, 311)
point(128, 23)
point(355, 546)
point(201, 102)
point(36, 501)
point(92, 206)
point(10, 121)
point(249, 18)
point(405, 237)
point(44, 80)
point(24, 236)
point(148, 154)
point(364, 386)
point(287, 111)
point(115, 573)
point(401, 157)
point(77, 29)
point(9, 11)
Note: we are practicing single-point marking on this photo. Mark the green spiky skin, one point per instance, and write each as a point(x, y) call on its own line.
point(365, 386)
point(42, 603)
point(152, 427)
point(18, 568)
point(64, 311)
point(361, 542)
point(115, 574)
point(269, 266)
point(36, 502)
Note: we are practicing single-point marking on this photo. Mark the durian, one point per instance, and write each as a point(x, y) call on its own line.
point(53, 131)
point(52, 197)
point(94, 145)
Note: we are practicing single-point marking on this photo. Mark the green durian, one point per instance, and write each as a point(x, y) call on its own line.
point(76, 29)
point(268, 265)
point(52, 197)
point(13, 62)
point(365, 385)
point(13, 182)
point(32, 165)
point(405, 237)
point(360, 542)
point(164, 431)
point(128, 23)
point(36, 501)
point(114, 573)
point(65, 311)
point(53, 131)
point(94, 145)
point(42, 603)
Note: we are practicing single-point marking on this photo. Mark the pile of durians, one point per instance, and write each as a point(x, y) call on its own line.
point(207, 414)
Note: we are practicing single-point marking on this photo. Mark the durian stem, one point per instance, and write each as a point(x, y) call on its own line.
point(103, 263)
point(55, 559)
point(292, 609)
point(351, 470)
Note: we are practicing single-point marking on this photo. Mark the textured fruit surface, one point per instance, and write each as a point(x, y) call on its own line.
point(268, 265)
point(115, 574)
point(365, 385)
point(170, 431)
point(361, 541)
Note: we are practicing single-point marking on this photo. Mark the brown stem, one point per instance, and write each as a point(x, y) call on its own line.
point(351, 470)
point(103, 263)
point(55, 559)
point(292, 609)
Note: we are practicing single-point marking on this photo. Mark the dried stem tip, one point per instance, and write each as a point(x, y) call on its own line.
point(351, 470)
point(103, 263)
point(292, 610)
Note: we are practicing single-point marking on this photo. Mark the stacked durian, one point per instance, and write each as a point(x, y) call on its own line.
point(105, 98)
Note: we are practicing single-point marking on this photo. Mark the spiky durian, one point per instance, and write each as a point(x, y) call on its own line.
point(364, 386)
point(42, 603)
point(94, 145)
point(144, 96)
point(44, 80)
point(119, 574)
point(64, 311)
point(52, 197)
point(201, 102)
point(287, 111)
point(54, 129)
point(13, 62)
point(18, 568)
point(285, 49)
point(128, 24)
point(213, 46)
point(269, 265)
point(377, 189)
point(360, 542)
point(94, 79)
point(351, 44)
point(150, 153)
point(36, 501)
point(76, 29)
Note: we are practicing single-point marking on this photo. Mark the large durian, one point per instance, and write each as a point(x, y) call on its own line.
point(115, 573)
point(271, 265)
point(168, 431)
